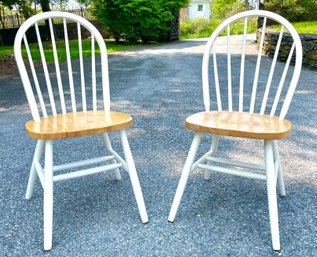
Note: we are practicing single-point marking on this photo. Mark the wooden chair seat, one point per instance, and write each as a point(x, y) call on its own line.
point(77, 124)
point(238, 124)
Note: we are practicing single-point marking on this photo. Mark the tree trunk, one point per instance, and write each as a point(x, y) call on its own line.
point(45, 4)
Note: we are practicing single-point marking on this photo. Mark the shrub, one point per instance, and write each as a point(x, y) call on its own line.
point(293, 10)
point(222, 9)
point(204, 28)
point(197, 28)
point(133, 20)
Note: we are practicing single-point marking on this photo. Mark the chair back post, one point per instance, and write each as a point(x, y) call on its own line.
point(210, 50)
point(21, 36)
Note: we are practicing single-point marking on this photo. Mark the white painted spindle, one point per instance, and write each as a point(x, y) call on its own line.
point(269, 81)
point(229, 69)
point(58, 72)
point(46, 73)
point(105, 80)
point(35, 79)
point(93, 73)
point(241, 93)
point(69, 67)
point(81, 62)
point(257, 69)
point(216, 78)
point(281, 84)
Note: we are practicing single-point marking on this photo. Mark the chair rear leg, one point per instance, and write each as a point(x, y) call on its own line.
point(280, 180)
point(48, 195)
point(134, 177)
point(213, 148)
point(184, 177)
point(108, 146)
point(33, 175)
point(271, 192)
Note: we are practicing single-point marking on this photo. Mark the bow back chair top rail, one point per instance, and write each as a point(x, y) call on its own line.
point(245, 99)
point(70, 100)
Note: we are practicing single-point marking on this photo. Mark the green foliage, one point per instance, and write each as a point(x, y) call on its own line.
point(24, 7)
point(222, 9)
point(305, 27)
point(293, 10)
point(8, 3)
point(197, 28)
point(204, 28)
point(133, 20)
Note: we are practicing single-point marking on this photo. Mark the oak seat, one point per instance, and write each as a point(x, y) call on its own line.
point(237, 124)
point(77, 124)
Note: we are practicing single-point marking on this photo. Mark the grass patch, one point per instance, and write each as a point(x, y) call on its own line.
point(7, 51)
point(204, 28)
point(305, 27)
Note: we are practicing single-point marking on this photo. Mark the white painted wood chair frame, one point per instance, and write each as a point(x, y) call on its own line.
point(45, 147)
point(271, 168)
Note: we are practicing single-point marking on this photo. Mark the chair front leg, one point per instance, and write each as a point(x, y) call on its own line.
point(280, 180)
point(33, 174)
point(134, 177)
point(213, 149)
point(48, 195)
point(271, 192)
point(108, 146)
point(184, 177)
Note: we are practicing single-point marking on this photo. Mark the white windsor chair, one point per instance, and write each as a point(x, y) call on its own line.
point(64, 118)
point(247, 118)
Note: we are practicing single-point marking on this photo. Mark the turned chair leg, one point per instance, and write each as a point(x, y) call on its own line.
point(48, 195)
point(108, 147)
point(271, 193)
point(134, 177)
point(184, 177)
point(33, 175)
point(213, 148)
point(280, 180)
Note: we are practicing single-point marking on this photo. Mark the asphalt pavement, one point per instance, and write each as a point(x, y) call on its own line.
point(97, 215)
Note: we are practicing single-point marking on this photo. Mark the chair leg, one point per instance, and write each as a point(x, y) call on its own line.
point(213, 148)
point(280, 180)
point(134, 177)
point(108, 146)
point(184, 177)
point(271, 192)
point(33, 175)
point(48, 195)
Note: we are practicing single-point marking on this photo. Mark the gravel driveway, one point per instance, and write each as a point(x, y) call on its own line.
point(97, 216)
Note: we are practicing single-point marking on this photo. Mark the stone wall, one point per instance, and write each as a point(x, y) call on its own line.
point(309, 43)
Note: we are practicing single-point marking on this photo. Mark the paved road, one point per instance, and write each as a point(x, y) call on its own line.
point(97, 216)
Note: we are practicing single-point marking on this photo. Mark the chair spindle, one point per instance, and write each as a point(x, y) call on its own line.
point(269, 81)
point(216, 78)
point(229, 69)
point(36, 81)
point(281, 84)
point(241, 86)
point(47, 76)
point(257, 69)
point(81, 62)
point(69, 67)
point(93, 73)
point(57, 68)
